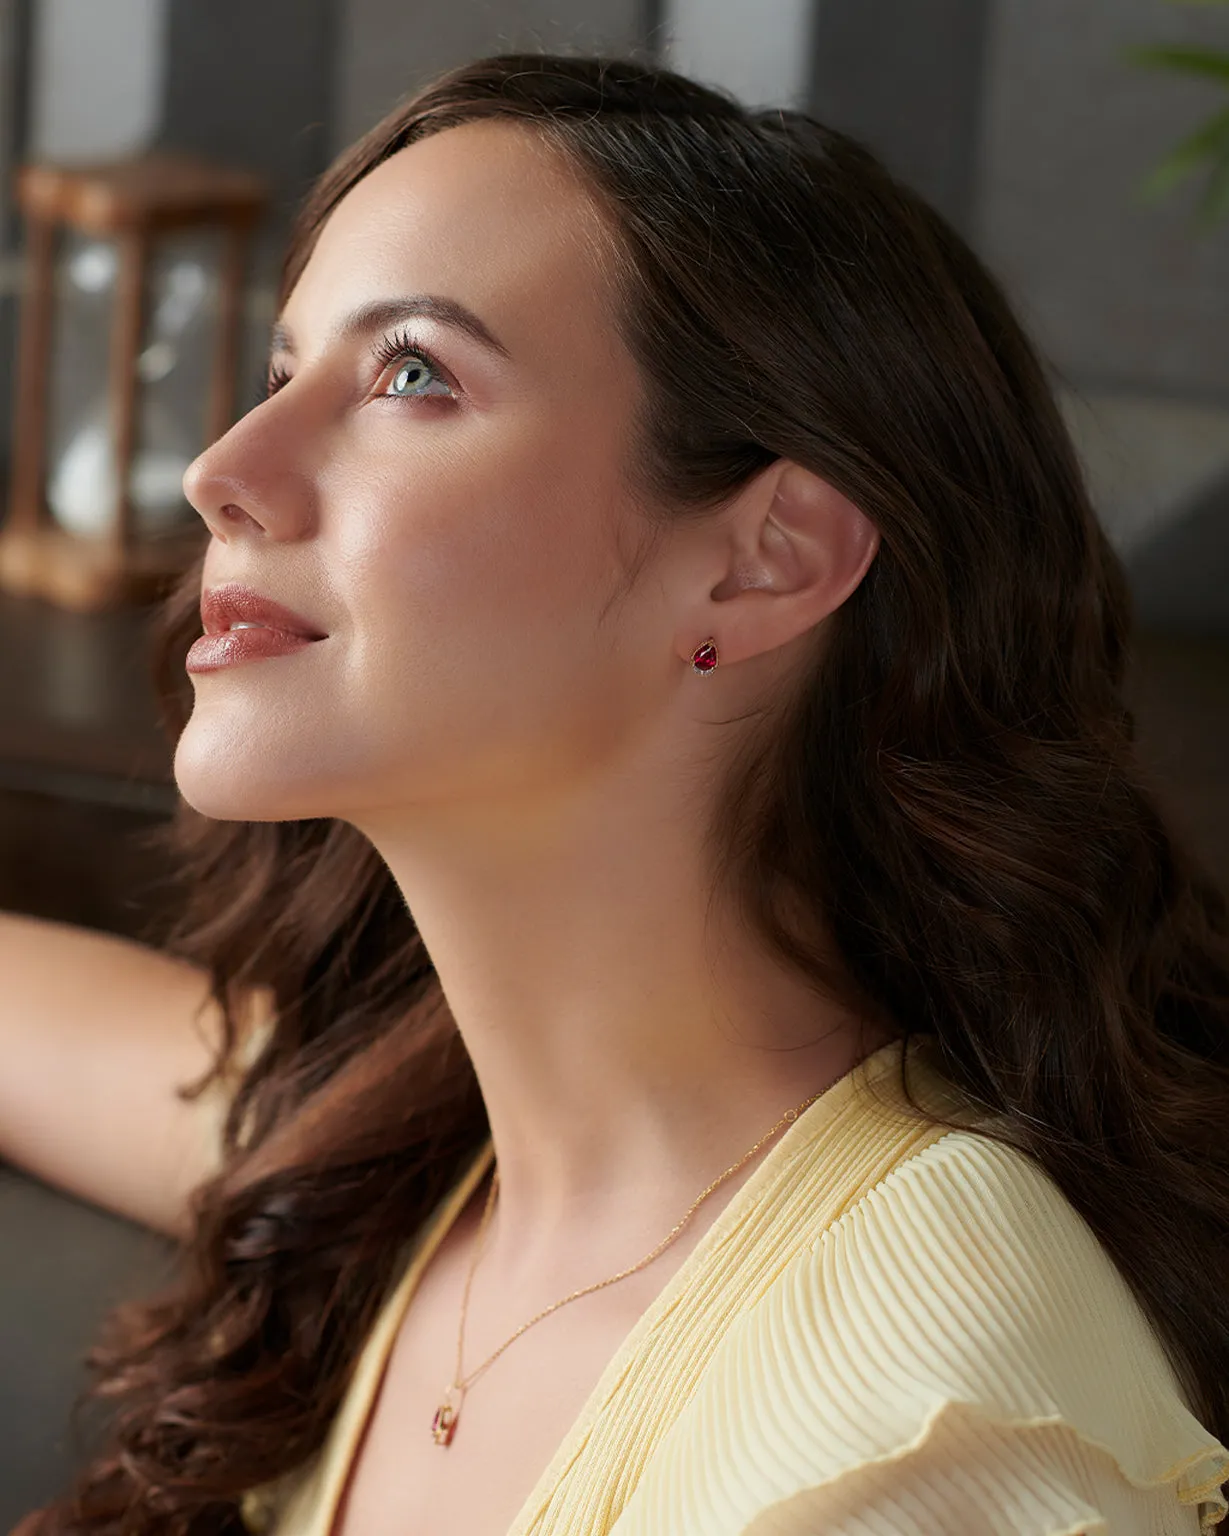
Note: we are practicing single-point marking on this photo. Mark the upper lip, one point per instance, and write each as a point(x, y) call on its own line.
point(229, 604)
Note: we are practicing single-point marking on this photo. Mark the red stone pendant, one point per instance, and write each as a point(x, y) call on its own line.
point(444, 1424)
point(705, 658)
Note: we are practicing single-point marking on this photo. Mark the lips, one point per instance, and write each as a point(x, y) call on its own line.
point(264, 629)
point(234, 603)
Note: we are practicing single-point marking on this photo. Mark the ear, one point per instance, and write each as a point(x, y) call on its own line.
point(791, 548)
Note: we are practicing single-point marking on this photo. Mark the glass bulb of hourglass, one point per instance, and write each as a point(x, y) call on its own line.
point(82, 487)
point(82, 490)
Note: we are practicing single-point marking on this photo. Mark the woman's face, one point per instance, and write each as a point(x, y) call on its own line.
point(449, 508)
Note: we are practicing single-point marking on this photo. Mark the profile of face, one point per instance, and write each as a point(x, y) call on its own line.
point(439, 484)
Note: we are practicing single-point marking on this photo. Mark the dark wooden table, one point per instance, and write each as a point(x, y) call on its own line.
point(85, 769)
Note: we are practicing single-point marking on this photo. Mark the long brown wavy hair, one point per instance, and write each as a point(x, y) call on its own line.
point(952, 799)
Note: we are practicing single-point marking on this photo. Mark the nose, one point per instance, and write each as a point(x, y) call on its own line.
point(250, 483)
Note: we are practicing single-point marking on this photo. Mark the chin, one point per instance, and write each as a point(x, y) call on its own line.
point(220, 802)
point(237, 786)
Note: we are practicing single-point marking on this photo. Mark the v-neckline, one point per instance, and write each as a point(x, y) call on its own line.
point(339, 1464)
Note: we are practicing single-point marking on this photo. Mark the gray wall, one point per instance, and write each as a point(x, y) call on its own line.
point(1024, 123)
point(246, 83)
point(1127, 299)
point(14, 48)
point(1121, 295)
point(761, 53)
point(14, 27)
point(96, 77)
point(267, 104)
point(389, 47)
point(907, 79)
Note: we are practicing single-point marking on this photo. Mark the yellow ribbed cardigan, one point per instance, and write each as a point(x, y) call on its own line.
point(890, 1329)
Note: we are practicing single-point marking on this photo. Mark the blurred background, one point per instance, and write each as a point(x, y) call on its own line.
point(1032, 124)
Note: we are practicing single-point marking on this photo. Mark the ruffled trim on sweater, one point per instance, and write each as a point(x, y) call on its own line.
point(962, 1294)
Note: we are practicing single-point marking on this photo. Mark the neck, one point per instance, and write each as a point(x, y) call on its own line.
point(629, 1049)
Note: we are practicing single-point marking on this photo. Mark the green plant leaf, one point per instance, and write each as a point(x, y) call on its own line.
point(1209, 62)
point(1209, 142)
point(1214, 204)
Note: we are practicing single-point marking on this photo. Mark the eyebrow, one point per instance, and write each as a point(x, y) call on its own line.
point(382, 313)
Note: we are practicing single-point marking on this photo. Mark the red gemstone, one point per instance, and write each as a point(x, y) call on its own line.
point(705, 658)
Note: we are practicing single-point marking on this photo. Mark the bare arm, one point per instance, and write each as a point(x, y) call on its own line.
point(96, 1034)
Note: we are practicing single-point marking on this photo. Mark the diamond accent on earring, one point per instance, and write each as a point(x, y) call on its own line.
point(705, 657)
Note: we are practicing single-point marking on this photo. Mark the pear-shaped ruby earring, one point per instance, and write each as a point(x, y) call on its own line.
point(704, 658)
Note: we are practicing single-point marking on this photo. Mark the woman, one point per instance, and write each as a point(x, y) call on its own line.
point(740, 1049)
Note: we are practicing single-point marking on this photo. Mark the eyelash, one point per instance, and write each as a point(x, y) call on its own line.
point(388, 350)
point(400, 345)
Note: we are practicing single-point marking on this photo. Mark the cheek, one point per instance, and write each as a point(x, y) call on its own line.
point(460, 539)
point(475, 578)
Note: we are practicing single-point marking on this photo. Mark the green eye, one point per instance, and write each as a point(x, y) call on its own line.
point(416, 376)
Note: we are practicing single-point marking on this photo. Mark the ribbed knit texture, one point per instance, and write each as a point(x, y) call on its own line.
point(891, 1329)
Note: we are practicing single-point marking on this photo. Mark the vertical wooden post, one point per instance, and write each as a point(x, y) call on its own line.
point(123, 385)
point(33, 362)
point(221, 410)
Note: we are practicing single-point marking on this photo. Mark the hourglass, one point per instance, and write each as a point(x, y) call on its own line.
point(126, 369)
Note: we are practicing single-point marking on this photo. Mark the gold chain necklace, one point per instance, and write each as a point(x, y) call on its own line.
point(444, 1424)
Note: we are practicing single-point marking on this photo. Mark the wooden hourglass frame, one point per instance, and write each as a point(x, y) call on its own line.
point(133, 203)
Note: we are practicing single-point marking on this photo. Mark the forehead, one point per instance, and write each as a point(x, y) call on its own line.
point(487, 213)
